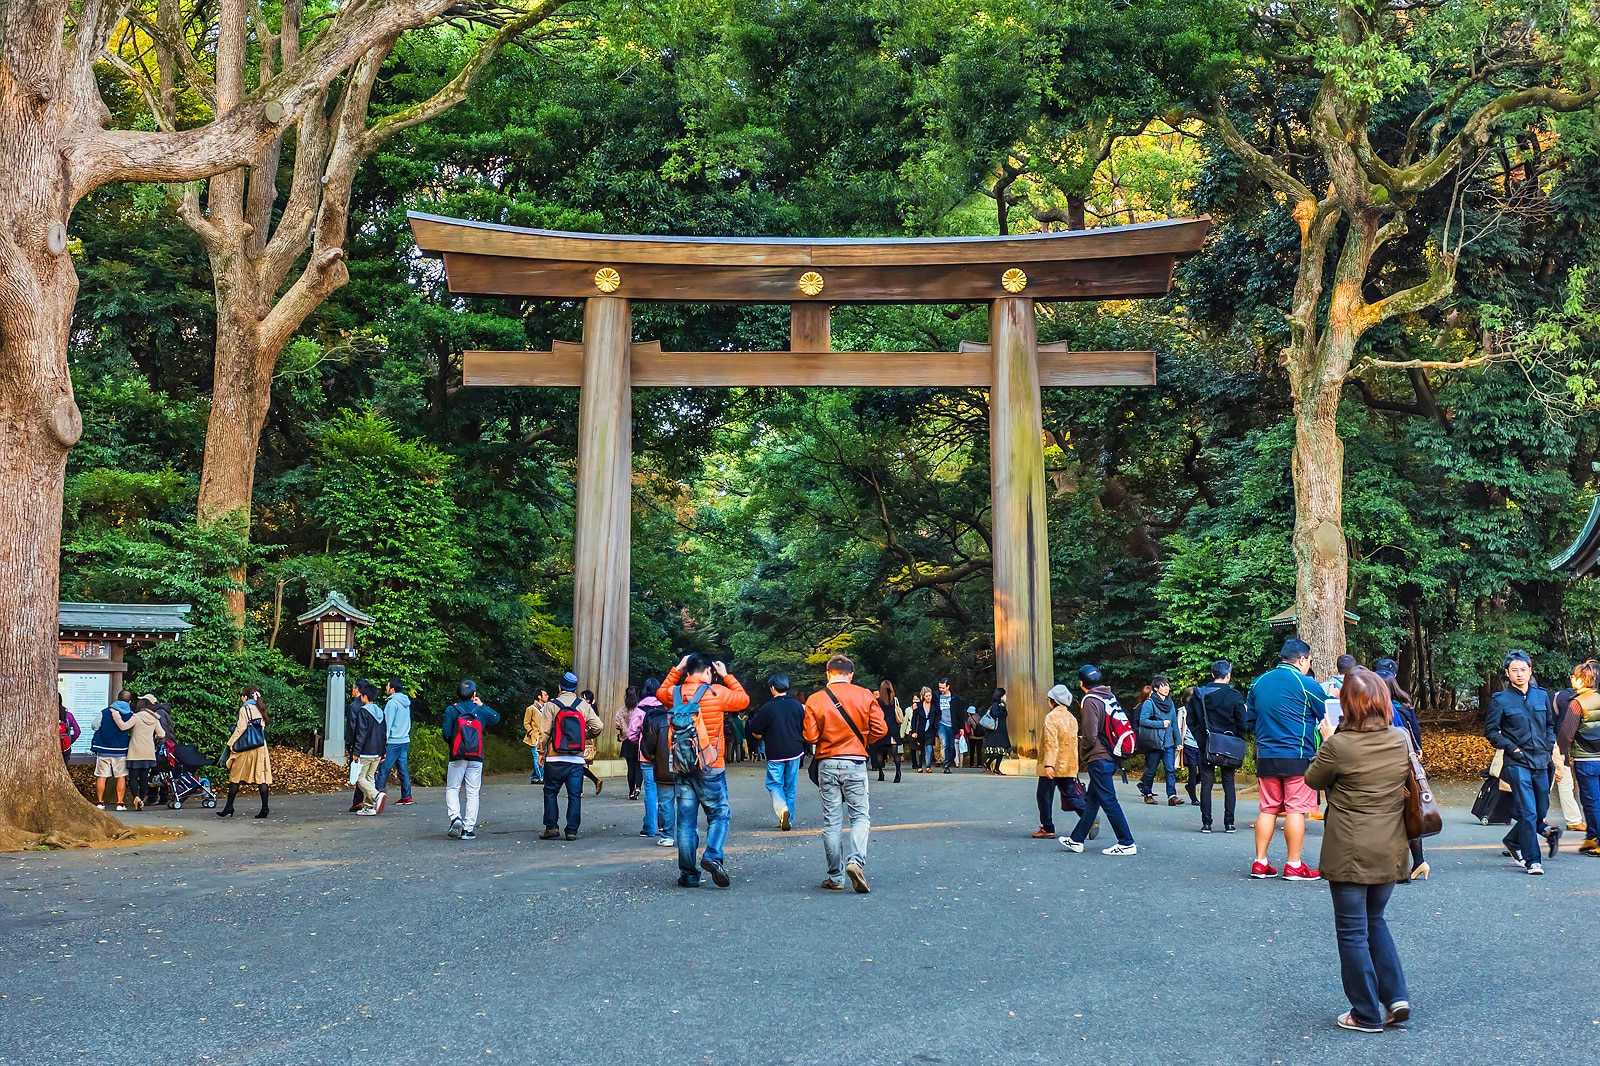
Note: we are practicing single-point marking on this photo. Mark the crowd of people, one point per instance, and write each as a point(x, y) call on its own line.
point(1346, 750)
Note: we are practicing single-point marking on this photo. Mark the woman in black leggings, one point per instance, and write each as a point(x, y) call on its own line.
point(890, 743)
point(588, 697)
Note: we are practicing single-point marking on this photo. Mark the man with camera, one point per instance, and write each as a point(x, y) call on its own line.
point(697, 693)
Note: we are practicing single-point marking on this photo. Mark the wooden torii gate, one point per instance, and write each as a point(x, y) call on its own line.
point(608, 272)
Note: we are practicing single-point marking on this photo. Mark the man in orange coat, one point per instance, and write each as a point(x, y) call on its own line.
point(703, 688)
point(843, 720)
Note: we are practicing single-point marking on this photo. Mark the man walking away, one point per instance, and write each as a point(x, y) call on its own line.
point(110, 747)
point(1216, 708)
point(843, 721)
point(464, 725)
point(698, 692)
point(1284, 710)
point(779, 724)
point(1058, 761)
point(660, 799)
point(1158, 732)
point(1097, 704)
point(1521, 723)
point(363, 739)
point(566, 725)
point(397, 722)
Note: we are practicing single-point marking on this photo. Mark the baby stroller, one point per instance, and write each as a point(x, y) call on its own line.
point(175, 766)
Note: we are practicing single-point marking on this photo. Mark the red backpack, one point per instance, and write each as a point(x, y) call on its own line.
point(1120, 737)
point(569, 731)
point(468, 741)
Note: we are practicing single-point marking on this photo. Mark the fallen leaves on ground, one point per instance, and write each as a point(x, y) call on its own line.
point(297, 773)
point(1455, 755)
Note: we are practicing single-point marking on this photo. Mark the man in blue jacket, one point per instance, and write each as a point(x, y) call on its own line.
point(1521, 723)
point(397, 741)
point(1283, 710)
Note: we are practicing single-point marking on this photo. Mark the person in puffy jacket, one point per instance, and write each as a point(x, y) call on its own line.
point(1058, 761)
point(110, 747)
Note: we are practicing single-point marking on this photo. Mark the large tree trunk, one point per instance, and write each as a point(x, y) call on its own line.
point(241, 395)
point(1320, 554)
point(39, 421)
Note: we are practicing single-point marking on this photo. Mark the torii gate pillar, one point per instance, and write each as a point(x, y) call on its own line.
point(1024, 649)
point(603, 534)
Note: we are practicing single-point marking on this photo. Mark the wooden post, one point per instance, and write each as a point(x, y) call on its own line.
point(1023, 638)
point(810, 327)
point(602, 539)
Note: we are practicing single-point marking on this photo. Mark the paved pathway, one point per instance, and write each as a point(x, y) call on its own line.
point(317, 937)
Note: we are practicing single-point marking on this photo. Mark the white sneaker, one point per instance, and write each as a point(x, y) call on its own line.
point(120, 807)
point(666, 842)
point(1121, 849)
point(367, 812)
point(1070, 844)
point(100, 806)
point(1535, 868)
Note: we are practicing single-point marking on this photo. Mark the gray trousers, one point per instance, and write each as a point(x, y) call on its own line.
point(842, 785)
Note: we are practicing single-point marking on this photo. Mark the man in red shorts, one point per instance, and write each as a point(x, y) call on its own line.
point(1283, 710)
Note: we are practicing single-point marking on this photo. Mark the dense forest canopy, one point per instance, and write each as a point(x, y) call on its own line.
point(776, 526)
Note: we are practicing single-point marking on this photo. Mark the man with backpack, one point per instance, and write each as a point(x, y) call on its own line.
point(566, 725)
point(780, 725)
point(1284, 710)
point(698, 692)
point(1104, 738)
point(464, 723)
point(843, 721)
point(1217, 710)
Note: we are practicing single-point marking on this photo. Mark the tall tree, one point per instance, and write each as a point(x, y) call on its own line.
point(1357, 115)
point(55, 147)
point(254, 239)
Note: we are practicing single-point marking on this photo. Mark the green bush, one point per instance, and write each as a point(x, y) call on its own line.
point(428, 757)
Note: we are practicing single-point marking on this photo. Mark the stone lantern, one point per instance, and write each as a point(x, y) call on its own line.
point(333, 641)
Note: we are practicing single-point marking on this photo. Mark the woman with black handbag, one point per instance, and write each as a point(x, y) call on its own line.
point(1365, 769)
point(248, 761)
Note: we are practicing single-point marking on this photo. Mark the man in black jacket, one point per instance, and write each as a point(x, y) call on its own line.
point(779, 723)
point(1216, 707)
point(1521, 723)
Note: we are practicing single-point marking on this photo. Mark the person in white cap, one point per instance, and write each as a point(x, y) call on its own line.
point(1058, 761)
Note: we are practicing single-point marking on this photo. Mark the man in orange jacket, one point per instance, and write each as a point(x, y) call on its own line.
point(705, 689)
point(843, 720)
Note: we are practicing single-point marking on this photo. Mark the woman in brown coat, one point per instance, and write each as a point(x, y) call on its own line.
point(1364, 768)
point(253, 767)
point(1058, 761)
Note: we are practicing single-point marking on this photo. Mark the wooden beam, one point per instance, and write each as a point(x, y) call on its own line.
point(810, 327)
point(653, 368)
point(603, 533)
point(1110, 278)
point(1024, 651)
point(437, 234)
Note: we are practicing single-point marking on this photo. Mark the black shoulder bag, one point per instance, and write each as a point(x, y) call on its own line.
point(1223, 750)
point(811, 771)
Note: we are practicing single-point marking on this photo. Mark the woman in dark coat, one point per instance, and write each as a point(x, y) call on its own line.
point(1364, 768)
point(881, 750)
point(997, 741)
point(1405, 718)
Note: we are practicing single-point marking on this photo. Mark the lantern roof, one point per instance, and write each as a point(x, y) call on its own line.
point(335, 604)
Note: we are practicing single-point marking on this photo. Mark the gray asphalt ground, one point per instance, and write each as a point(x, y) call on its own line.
point(318, 937)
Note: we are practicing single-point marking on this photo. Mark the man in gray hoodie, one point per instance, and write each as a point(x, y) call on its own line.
point(397, 722)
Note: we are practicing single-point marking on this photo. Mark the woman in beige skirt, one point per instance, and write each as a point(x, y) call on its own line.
point(253, 767)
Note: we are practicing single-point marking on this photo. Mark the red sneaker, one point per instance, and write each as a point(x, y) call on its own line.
point(1262, 869)
point(1300, 873)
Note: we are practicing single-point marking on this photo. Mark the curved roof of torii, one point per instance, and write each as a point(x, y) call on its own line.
point(1113, 262)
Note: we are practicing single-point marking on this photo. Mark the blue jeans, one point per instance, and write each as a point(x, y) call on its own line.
point(1102, 795)
point(947, 733)
point(782, 780)
point(659, 802)
point(1167, 757)
point(1530, 802)
point(696, 792)
point(1586, 776)
point(559, 775)
point(1368, 962)
point(395, 755)
point(538, 771)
